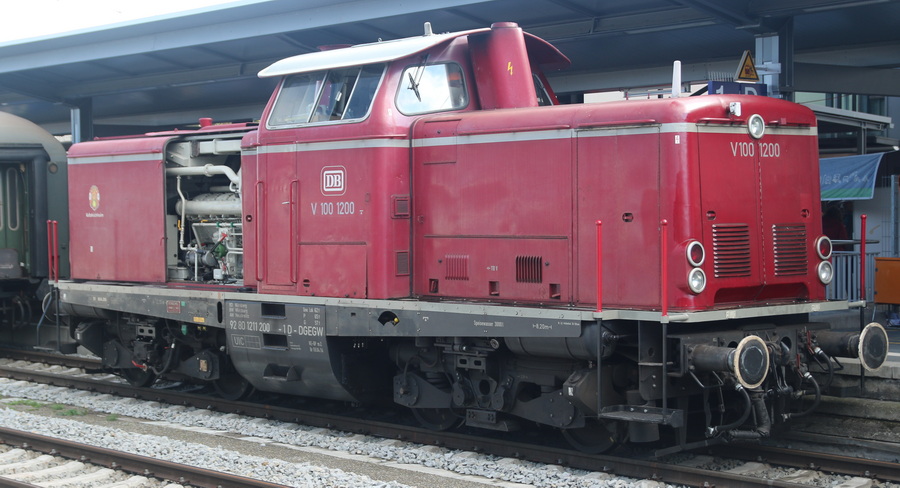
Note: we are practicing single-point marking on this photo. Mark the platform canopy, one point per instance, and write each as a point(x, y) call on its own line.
point(167, 71)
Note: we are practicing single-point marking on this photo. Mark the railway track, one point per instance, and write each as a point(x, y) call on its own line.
point(34, 460)
point(692, 473)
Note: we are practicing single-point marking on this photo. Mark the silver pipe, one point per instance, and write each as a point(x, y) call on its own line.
point(208, 170)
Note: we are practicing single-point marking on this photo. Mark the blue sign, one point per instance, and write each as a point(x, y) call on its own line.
point(735, 88)
point(849, 177)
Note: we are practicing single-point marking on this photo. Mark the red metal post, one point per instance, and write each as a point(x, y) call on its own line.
point(56, 250)
point(51, 252)
point(599, 267)
point(664, 262)
point(862, 257)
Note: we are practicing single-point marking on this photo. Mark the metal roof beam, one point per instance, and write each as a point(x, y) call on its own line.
point(775, 8)
point(639, 23)
point(163, 80)
point(823, 78)
point(30, 87)
point(723, 12)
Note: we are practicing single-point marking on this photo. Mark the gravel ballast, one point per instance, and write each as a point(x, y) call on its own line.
point(424, 464)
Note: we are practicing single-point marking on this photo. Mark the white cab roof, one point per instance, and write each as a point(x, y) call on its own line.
point(376, 52)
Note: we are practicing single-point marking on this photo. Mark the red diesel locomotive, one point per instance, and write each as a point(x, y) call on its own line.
point(420, 221)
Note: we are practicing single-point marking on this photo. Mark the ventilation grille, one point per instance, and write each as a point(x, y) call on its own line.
point(529, 269)
point(401, 206)
point(731, 250)
point(402, 263)
point(790, 249)
point(456, 267)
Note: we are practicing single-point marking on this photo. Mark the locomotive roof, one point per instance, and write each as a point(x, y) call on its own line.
point(379, 52)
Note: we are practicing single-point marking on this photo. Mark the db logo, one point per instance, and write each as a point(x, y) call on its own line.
point(334, 180)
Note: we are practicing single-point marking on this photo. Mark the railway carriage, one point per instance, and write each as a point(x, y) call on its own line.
point(420, 221)
point(33, 189)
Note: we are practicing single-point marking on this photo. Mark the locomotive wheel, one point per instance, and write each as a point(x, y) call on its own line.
point(596, 437)
point(138, 377)
point(233, 387)
point(438, 419)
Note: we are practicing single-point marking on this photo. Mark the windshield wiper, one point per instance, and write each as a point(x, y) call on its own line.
point(414, 81)
point(414, 86)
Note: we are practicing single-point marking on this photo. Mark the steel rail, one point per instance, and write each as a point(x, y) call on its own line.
point(620, 466)
point(132, 463)
point(831, 463)
point(53, 358)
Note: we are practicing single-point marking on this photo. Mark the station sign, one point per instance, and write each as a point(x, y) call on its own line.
point(735, 88)
point(746, 72)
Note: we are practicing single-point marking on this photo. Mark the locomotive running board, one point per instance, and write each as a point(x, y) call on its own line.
point(729, 314)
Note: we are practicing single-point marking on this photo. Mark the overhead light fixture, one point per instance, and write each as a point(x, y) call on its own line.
point(661, 28)
point(837, 6)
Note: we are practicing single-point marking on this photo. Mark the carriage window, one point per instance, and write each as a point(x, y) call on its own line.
point(323, 96)
point(432, 88)
point(13, 190)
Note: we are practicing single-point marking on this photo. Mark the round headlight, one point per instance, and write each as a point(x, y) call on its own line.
point(756, 126)
point(695, 253)
point(826, 272)
point(823, 247)
point(697, 280)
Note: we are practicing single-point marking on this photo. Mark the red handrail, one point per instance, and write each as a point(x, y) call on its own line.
point(53, 250)
point(599, 267)
point(664, 262)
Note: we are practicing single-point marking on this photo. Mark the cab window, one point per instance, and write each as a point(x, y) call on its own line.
point(432, 88)
point(543, 96)
point(326, 96)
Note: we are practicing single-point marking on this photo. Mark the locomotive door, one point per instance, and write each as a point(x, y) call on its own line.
point(278, 196)
point(730, 206)
point(618, 182)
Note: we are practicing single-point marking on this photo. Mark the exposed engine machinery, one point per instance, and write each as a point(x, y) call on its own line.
point(420, 220)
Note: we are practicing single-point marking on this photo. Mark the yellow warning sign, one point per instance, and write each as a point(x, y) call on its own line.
point(747, 70)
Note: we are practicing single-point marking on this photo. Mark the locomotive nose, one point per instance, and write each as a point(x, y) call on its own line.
point(748, 362)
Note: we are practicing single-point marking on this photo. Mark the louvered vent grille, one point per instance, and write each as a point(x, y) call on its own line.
point(528, 269)
point(731, 250)
point(456, 267)
point(401, 207)
point(402, 263)
point(790, 249)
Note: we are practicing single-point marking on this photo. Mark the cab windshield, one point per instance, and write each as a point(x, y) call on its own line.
point(432, 88)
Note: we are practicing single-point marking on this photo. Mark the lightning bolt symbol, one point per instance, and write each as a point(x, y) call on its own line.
point(509, 67)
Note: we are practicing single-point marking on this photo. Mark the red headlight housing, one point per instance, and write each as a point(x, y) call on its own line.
point(824, 247)
point(695, 253)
